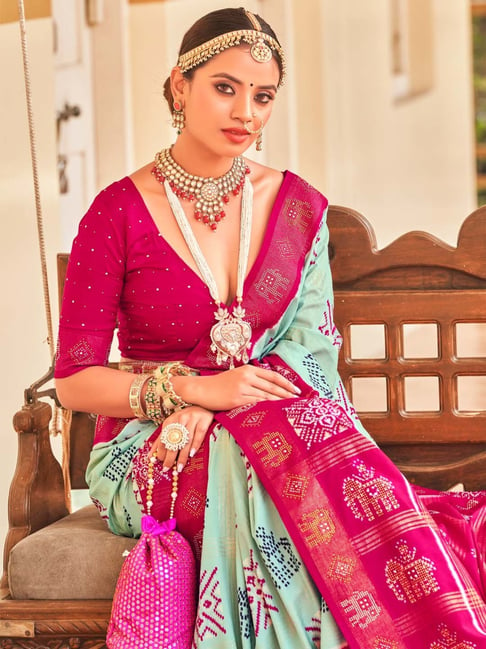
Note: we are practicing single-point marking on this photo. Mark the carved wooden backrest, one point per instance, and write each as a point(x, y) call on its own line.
point(420, 287)
point(415, 282)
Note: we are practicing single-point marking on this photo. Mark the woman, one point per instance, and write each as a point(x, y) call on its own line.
point(215, 270)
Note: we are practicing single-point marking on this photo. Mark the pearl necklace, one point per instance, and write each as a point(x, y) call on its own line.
point(211, 194)
point(231, 335)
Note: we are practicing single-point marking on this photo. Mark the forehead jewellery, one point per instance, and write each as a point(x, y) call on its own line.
point(210, 194)
point(262, 47)
point(231, 335)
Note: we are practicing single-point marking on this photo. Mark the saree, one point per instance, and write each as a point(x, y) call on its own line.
point(305, 533)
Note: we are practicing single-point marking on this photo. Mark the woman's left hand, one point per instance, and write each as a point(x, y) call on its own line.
point(197, 421)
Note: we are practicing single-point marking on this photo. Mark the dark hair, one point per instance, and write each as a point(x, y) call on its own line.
point(214, 24)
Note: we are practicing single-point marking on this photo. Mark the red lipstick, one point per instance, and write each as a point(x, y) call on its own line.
point(236, 135)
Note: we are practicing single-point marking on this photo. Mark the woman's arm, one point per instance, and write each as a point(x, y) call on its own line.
point(104, 391)
point(101, 390)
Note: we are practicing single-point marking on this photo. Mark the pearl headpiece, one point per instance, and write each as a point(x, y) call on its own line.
point(262, 47)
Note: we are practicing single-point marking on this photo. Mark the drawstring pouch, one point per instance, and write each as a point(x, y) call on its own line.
point(154, 606)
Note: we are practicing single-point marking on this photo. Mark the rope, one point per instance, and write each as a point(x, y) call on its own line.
point(61, 419)
point(35, 173)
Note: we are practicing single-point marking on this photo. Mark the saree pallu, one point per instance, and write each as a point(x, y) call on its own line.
point(311, 532)
point(398, 569)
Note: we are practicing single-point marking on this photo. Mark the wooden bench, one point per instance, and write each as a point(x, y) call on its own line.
point(416, 284)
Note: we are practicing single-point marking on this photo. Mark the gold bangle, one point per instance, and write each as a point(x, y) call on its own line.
point(152, 402)
point(135, 395)
point(163, 374)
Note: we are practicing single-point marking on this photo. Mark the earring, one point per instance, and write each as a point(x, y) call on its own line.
point(258, 132)
point(259, 141)
point(178, 117)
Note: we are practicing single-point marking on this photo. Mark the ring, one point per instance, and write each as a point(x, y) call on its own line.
point(174, 437)
point(259, 129)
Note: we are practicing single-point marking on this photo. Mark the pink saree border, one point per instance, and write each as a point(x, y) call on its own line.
point(355, 555)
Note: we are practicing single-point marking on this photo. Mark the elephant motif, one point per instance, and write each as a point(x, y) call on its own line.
point(410, 578)
point(363, 608)
point(273, 448)
point(369, 496)
point(317, 527)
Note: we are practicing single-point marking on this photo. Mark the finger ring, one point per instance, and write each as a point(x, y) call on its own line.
point(174, 436)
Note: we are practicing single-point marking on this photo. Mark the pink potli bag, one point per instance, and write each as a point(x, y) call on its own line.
point(154, 606)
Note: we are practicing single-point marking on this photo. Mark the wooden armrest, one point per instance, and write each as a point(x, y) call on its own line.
point(37, 494)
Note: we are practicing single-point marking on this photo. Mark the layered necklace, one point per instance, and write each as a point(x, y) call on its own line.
point(231, 335)
point(210, 194)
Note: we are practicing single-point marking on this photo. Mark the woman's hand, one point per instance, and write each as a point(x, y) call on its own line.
point(197, 421)
point(243, 385)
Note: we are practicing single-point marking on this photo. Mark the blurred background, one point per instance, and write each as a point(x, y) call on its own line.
point(384, 110)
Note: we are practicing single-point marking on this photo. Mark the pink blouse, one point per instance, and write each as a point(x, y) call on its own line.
point(123, 274)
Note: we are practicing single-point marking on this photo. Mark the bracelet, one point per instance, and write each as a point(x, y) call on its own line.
point(152, 402)
point(135, 395)
point(163, 374)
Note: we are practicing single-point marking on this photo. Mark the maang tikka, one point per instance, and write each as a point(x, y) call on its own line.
point(178, 117)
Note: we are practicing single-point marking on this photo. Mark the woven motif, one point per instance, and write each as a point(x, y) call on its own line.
point(285, 248)
point(279, 557)
point(362, 609)
point(122, 460)
point(246, 625)
point(272, 285)
point(273, 449)
point(210, 618)
point(317, 376)
point(341, 568)
point(384, 643)
point(299, 213)
point(317, 527)
point(368, 495)
point(410, 578)
point(449, 640)
point(260, 599)
point(315, 420)
point(81, 353)
point(295, 486)
point(314, 628)
point(194, 502)
point(254, 419)
point(327, 326)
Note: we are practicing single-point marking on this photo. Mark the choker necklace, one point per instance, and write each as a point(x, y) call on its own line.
point(211, 194)
point(231, 335)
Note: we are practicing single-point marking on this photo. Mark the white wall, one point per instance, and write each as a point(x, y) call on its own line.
point(23, 331)
point(407, 165)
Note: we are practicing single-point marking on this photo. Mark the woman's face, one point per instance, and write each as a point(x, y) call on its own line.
point(229, 90)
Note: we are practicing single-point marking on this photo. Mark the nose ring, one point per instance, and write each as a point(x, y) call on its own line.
point(249, 130)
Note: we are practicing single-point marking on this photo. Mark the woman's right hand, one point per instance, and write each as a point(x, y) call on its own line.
point(240, 386)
